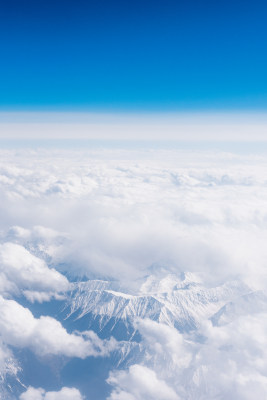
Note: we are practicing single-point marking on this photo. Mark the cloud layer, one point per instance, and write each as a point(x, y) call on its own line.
point(119, 215)
point(184, 210)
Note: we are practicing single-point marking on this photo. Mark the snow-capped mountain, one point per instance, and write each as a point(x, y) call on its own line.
point(181, 301)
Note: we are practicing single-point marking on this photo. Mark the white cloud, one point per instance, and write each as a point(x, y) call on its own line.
point(118, 211)
point(21, 271)
point(233, 358)
point(139, 383)
point(40, 394)
point(113, 214)
point(45, 335)
point(215, 362)
point(164, 342)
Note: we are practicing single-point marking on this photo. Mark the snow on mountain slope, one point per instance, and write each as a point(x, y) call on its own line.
point(181, 301)
point(10, 369)
point(248, 304)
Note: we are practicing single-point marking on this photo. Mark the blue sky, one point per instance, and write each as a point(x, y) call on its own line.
point(141, 55)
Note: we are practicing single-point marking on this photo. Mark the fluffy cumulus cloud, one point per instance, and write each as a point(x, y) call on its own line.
point(167, 355)
point(40, 394)
point(216, 362)
point(21, 271)
point(45, 335)
point(233, 359)
point(165, 342)
point(140, 383)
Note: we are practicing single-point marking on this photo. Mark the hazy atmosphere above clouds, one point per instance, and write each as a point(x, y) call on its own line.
point(189, 126)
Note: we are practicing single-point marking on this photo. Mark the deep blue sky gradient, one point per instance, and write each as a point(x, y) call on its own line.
point(133, 55)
